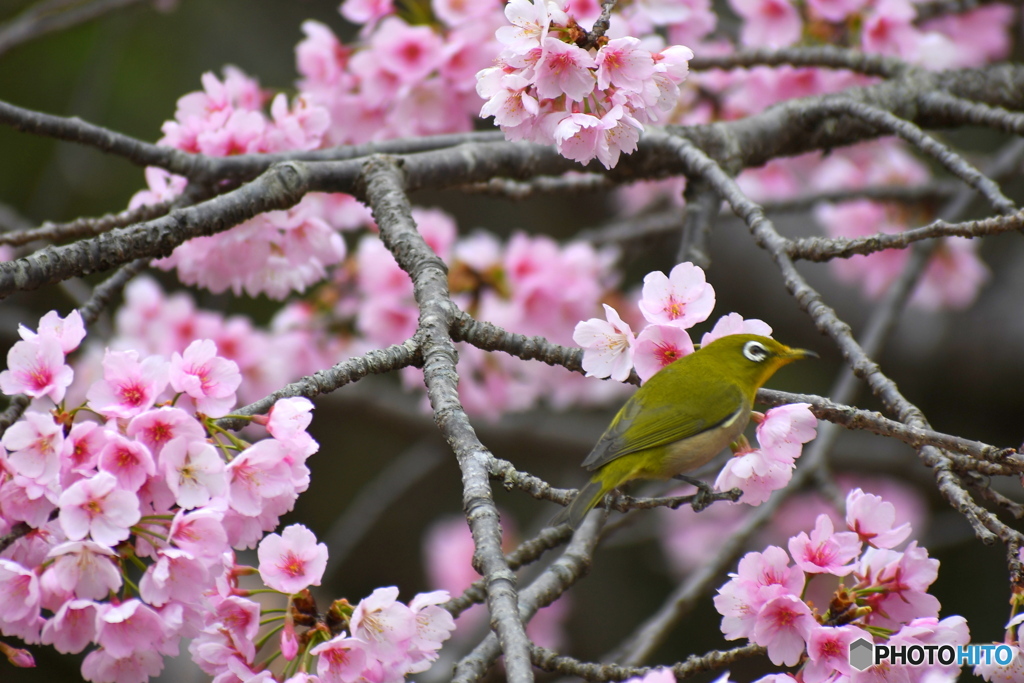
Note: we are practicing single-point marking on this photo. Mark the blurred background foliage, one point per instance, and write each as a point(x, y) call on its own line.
point(126, 70)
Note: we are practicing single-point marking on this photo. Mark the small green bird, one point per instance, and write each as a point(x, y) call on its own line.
point(682, 417)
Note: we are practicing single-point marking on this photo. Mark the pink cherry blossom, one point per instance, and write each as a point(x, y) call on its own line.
point(259, 473)
point(36, 368)
point(733, 323)
point(97, 507)
point(19, 591)
point(608, 346)
point(206, 377)
point(784, 430)
point(828, 651)
point(873, 520)
point(825, 551)
point(578, 136)
point(760, 577)
point(756, 474)
point(953, 277)
point(35, 443)
point(409, 52)
point(69, 331)
point(342, 660)
point(530, 21)
point(156, 428)
point(293, 560)
point(72, 628)
point(434, 625)
point(564, 69)
point(26, 500)
point(623, 63)
point(508, 98)
point(85, 568)
point(300, 127)
point(129, 386)
point(320, 57)
point(129, 461)
point(194, 472)
point(385, 624)
point(456, 12)
point(905, 578)
point(101, 667)
point(289, 417)
point(889, 29)
point(176, 575)
point(783, 626)
point(83, 445)
point(768, 23)
point(129, 627)
point(200, 532)
point(980, 35)
point(229, 635)
point(619, 133)
point(658, 346)
point(682, 298)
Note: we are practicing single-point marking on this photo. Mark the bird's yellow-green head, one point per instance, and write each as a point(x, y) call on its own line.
point(749, 360)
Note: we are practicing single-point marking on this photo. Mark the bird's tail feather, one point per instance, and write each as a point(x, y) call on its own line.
point(589, 496)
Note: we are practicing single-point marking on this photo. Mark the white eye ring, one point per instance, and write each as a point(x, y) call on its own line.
point(755, 351)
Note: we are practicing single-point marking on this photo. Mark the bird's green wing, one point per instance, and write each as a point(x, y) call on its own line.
point(653, 427)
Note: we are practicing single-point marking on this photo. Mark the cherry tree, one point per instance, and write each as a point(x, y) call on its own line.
point(156, 447)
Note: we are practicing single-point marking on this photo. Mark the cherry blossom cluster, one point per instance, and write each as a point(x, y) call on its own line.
point(529, 284)
point(405, 76)
point(881, 596)
point(589, 103)
point(887, 27)
point(388, 640)
point(155, 323)
point(275, 253)
point(416, 74)
point(688, 537)
point(134, 495)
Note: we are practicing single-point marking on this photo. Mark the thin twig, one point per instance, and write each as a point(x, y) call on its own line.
point(49, 17)
point(85, 227)
point(953, 162)
point(820, 249)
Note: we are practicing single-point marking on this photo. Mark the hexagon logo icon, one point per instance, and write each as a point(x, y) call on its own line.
point(862, 654)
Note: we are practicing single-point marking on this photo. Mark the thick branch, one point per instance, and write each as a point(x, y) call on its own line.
point(279, 188)
point(384, 191)
point(825, 56)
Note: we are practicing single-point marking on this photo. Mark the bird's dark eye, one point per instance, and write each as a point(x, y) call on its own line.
point(755, 351)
